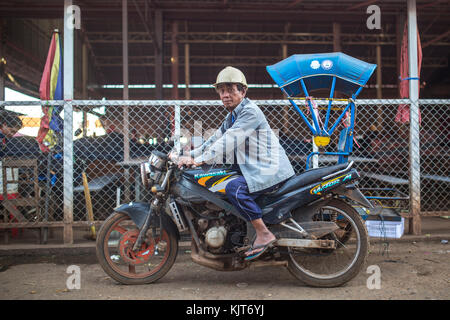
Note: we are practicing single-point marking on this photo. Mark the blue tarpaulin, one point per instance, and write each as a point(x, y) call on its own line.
point(317, 71)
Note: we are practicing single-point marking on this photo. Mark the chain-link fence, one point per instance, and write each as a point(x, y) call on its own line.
point(434, 156)
point(109, 139)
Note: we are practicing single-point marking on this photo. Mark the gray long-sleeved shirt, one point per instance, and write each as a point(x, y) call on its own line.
point(246, 136)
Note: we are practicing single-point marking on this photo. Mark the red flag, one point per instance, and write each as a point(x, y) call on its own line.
point(49, 89)
point(44, 88)
point(403, 109)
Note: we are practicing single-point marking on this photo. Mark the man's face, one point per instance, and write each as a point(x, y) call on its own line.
point(9, 132)
point(230, 95)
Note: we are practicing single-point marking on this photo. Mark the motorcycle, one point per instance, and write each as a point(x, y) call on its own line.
point(321, 238)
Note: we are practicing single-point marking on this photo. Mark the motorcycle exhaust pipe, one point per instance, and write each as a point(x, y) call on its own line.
point(197, 254)
point(201, 260)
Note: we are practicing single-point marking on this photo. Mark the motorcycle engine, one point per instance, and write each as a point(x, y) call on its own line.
point(220, 231)
point(215, 237)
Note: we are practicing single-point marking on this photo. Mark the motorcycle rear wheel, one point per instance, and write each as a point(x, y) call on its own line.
point(310, 265)
point(114, 245)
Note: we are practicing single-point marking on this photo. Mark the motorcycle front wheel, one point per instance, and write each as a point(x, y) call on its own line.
point(332, 267)
point(148, 264)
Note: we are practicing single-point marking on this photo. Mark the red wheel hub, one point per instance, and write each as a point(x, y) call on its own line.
point(126, 244)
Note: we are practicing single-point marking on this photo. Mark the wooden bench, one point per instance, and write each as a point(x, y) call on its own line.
point(99, 183)
point(12, 207)
point(397, 181)
point(436, 178)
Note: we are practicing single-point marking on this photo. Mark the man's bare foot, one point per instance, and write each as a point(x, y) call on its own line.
point(260, 243)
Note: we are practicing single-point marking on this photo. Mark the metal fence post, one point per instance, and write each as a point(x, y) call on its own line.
point(414, 137)
point(177, 128)
point(315, 158)
point(68, 126)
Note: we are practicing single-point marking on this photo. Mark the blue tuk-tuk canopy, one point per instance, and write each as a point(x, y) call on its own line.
point(317, 71)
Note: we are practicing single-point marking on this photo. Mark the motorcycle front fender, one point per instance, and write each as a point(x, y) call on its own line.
point(138, 212)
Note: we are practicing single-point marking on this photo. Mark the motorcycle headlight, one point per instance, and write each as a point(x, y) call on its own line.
point(151, 171)
point(156, 162)
point(145, 174)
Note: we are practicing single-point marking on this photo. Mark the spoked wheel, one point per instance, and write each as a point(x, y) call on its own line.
point(332, 267)
point(149, 263)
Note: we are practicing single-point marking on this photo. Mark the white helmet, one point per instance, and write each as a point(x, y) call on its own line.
point(231, 75)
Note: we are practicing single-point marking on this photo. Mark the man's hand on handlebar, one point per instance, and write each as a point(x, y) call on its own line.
point(181, 161)
point(173, 156)
point(186, 161)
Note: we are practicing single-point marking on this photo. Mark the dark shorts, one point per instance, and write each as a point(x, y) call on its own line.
point(244, 201)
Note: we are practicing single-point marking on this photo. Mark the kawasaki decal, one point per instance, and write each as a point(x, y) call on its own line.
point(219, 173)
point(217, 181)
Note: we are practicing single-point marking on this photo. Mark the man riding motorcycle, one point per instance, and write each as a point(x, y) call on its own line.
point(245, 128)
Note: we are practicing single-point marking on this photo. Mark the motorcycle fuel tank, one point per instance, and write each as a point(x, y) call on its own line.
point(215, 180)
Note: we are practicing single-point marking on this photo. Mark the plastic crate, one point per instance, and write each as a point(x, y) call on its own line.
point(385, 229)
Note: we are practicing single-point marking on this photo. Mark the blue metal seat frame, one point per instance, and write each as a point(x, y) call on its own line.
point(352, 74)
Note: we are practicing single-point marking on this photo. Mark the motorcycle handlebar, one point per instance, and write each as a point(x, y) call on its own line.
point(174, 160)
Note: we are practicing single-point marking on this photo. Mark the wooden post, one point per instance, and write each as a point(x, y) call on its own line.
point(187, 65)
point(84, 62)
point(126, 149)
point(284, 53)
point(84, 76)
point(379, 89)
point(159, 54)
point(88, 201)
point(174, 60)
point(399, 28)
point(187, 76)
point(337, 37)
point(286, 127)
point(2, 66)
point(126, 133)
point(379, 74)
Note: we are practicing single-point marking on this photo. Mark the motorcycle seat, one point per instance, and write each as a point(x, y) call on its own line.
point(306, 178)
